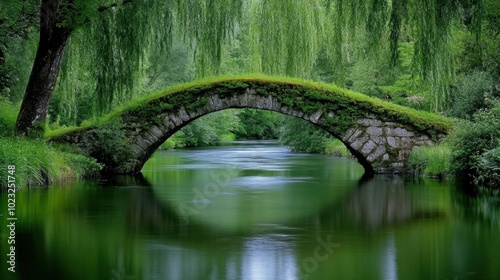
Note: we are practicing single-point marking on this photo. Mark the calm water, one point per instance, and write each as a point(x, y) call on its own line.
point(253, 210)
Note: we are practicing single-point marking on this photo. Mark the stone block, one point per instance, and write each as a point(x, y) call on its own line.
point(403, 132)
point(389, 131)
point(260, 103)
point(370, 122)
point(175, 119)
point(167, 123)
point(393, 142)
point(183, 114)
point(423, 138)
point(406, 142)
point(359, 142)
point(269, 102)
point(375, 131)
point(243, 99)
point(137, 149)
point(276, 105)
point(380, 140)
point(314, 118)
point(285, 110)
point(217, 102)
point(376, 154)
point(156, 132)
point(298, 114)
point(368, 147)
point(349, 133)
point(355, 135)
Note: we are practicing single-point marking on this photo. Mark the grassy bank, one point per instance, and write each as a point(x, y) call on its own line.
point(430, 161)
point(37, 162)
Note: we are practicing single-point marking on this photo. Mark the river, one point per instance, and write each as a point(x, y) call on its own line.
point(252, 210)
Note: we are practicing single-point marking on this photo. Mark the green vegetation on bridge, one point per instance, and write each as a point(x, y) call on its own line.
point(289, 91)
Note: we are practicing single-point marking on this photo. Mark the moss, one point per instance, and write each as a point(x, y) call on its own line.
point(297, 94)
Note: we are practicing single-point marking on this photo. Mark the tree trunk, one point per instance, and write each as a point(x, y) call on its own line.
point(53, 38)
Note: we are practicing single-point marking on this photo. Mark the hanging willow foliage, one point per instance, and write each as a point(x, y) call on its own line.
point(284, 36)
point(398, 13)
point(433, 58)
point(123, 36)
point(208, 24)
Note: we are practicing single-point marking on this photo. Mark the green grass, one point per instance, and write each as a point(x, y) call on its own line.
point(38, 163)
point(327, 92)
point(8, 115)
point(430, 161)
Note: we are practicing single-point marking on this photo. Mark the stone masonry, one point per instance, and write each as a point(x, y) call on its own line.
point(380, 145)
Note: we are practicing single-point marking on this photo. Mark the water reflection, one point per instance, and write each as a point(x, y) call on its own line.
point(250, 180)
point(383, 200)
point(388, 200)
point(313, 219)
point(268, 257)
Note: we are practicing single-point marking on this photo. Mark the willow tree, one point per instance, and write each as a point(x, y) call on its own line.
point(285, 38)
point(119, 33)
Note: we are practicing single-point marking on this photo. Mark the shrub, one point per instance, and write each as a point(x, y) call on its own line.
point(488, 168)
point(107, 143)
point(472, 94)
point(474, 146)
point(429, 161)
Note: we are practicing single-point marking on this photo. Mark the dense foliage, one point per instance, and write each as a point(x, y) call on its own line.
point(281, 37)
point(475, 148)
point(301, 136)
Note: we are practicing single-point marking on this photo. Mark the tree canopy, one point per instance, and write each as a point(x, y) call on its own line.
point(284, 36)
point(111, 41)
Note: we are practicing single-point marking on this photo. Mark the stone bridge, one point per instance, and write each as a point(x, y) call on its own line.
point(379, 134)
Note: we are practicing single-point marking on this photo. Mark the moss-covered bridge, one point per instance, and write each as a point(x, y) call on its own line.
point(379, 134)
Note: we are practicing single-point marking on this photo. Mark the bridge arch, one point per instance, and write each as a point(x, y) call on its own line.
point(379, 134)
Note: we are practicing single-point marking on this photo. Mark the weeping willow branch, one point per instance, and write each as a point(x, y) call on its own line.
point(284, 37)
point(397, 14)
